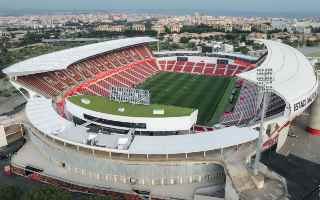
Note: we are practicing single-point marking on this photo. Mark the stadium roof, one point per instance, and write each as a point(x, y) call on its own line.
point(44, 118)
point(179, 144)
point(42, 115)
point(294, 76)
point(62, 59)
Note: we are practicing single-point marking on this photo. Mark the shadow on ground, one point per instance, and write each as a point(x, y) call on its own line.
point(303, 176)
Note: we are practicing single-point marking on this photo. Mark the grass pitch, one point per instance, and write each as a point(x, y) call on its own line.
point(209, 95)
point(104, 105)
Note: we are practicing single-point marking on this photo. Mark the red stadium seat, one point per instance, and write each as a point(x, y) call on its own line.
point(208, 71)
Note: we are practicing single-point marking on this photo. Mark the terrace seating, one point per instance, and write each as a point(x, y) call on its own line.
point(85, 91)
point(82, 70)
point(99, 90)
point(152, 64)
point(245, 108)
point(62, 76)
point(144, 52)
point(201, 129)
point(54, 83)
point(198, 69)
point(243, 62)
point(51, 80)
point(162, 64)
point(38, 85)
point(188, 67)
point(276, 105)
point(208, 69)
point(129, 77)
point(104, 84)
point(231, 70)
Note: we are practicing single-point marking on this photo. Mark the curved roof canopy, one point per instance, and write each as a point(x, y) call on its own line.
point(62, 59)
point(294, 76)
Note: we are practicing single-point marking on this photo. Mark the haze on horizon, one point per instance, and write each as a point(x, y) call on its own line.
point(267, 6)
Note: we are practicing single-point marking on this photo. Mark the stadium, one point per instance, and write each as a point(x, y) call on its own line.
point(116, 118)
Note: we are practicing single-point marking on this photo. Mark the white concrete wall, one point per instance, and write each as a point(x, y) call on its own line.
point(112, 173)
point(230, 192)
point(314, 121)
point(153, 124)
point(3, 138)
point(283, 134)
point(203, 197)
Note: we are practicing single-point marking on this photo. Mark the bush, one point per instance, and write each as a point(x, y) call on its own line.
point(46, 193)
point(96, 198)
point(10, 193)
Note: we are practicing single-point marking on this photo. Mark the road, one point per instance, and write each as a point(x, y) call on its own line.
point(300, 163)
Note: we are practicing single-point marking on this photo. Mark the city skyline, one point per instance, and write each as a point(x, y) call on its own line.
point(227, 7)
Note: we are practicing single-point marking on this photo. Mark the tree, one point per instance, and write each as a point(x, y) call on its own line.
point(257, 46)
point(197, 29)
point(47, 193)
point(243, 50)
point(5, 55)
point(174, 46)
point(184, 40)
point(231, 36)
point(191, 45)
point(243, 37)
point(269, 36)
point(167, 30)
point(3, 45)
point(10, 193)
point(96, 198)
point(310, 43)
point(32, 37)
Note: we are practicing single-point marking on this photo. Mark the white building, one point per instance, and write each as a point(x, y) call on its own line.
point(158, 28)
point(139, 27)
point(174, 28)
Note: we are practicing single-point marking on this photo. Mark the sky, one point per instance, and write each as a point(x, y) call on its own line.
point(266, 6)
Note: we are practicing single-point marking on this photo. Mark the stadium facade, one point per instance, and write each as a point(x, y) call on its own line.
point(77, 136)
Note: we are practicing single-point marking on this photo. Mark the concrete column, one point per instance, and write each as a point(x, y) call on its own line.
point(3, 138)
point(230, 191)
point(314, 120)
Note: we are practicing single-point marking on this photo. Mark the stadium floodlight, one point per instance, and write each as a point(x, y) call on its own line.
point(265, 78)
point(130, 95)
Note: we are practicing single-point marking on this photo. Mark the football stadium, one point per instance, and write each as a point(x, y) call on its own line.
point(117, 118)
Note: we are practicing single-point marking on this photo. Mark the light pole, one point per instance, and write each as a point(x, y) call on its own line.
point(158, 43)
point(265, 79)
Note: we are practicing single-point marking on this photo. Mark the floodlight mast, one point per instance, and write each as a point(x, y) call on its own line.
point(158, 43)
point(265, 79)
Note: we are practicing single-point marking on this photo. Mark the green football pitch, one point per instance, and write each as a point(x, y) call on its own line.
point(210, 95)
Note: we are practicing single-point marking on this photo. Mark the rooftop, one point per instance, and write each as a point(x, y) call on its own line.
point(104, 105)
point(62, 59)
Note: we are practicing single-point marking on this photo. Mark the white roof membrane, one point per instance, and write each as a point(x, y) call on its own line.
point(294, 76)
point(62, 59)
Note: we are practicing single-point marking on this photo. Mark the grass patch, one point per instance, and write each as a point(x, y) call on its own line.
point(104, 105)
point(207, 94)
